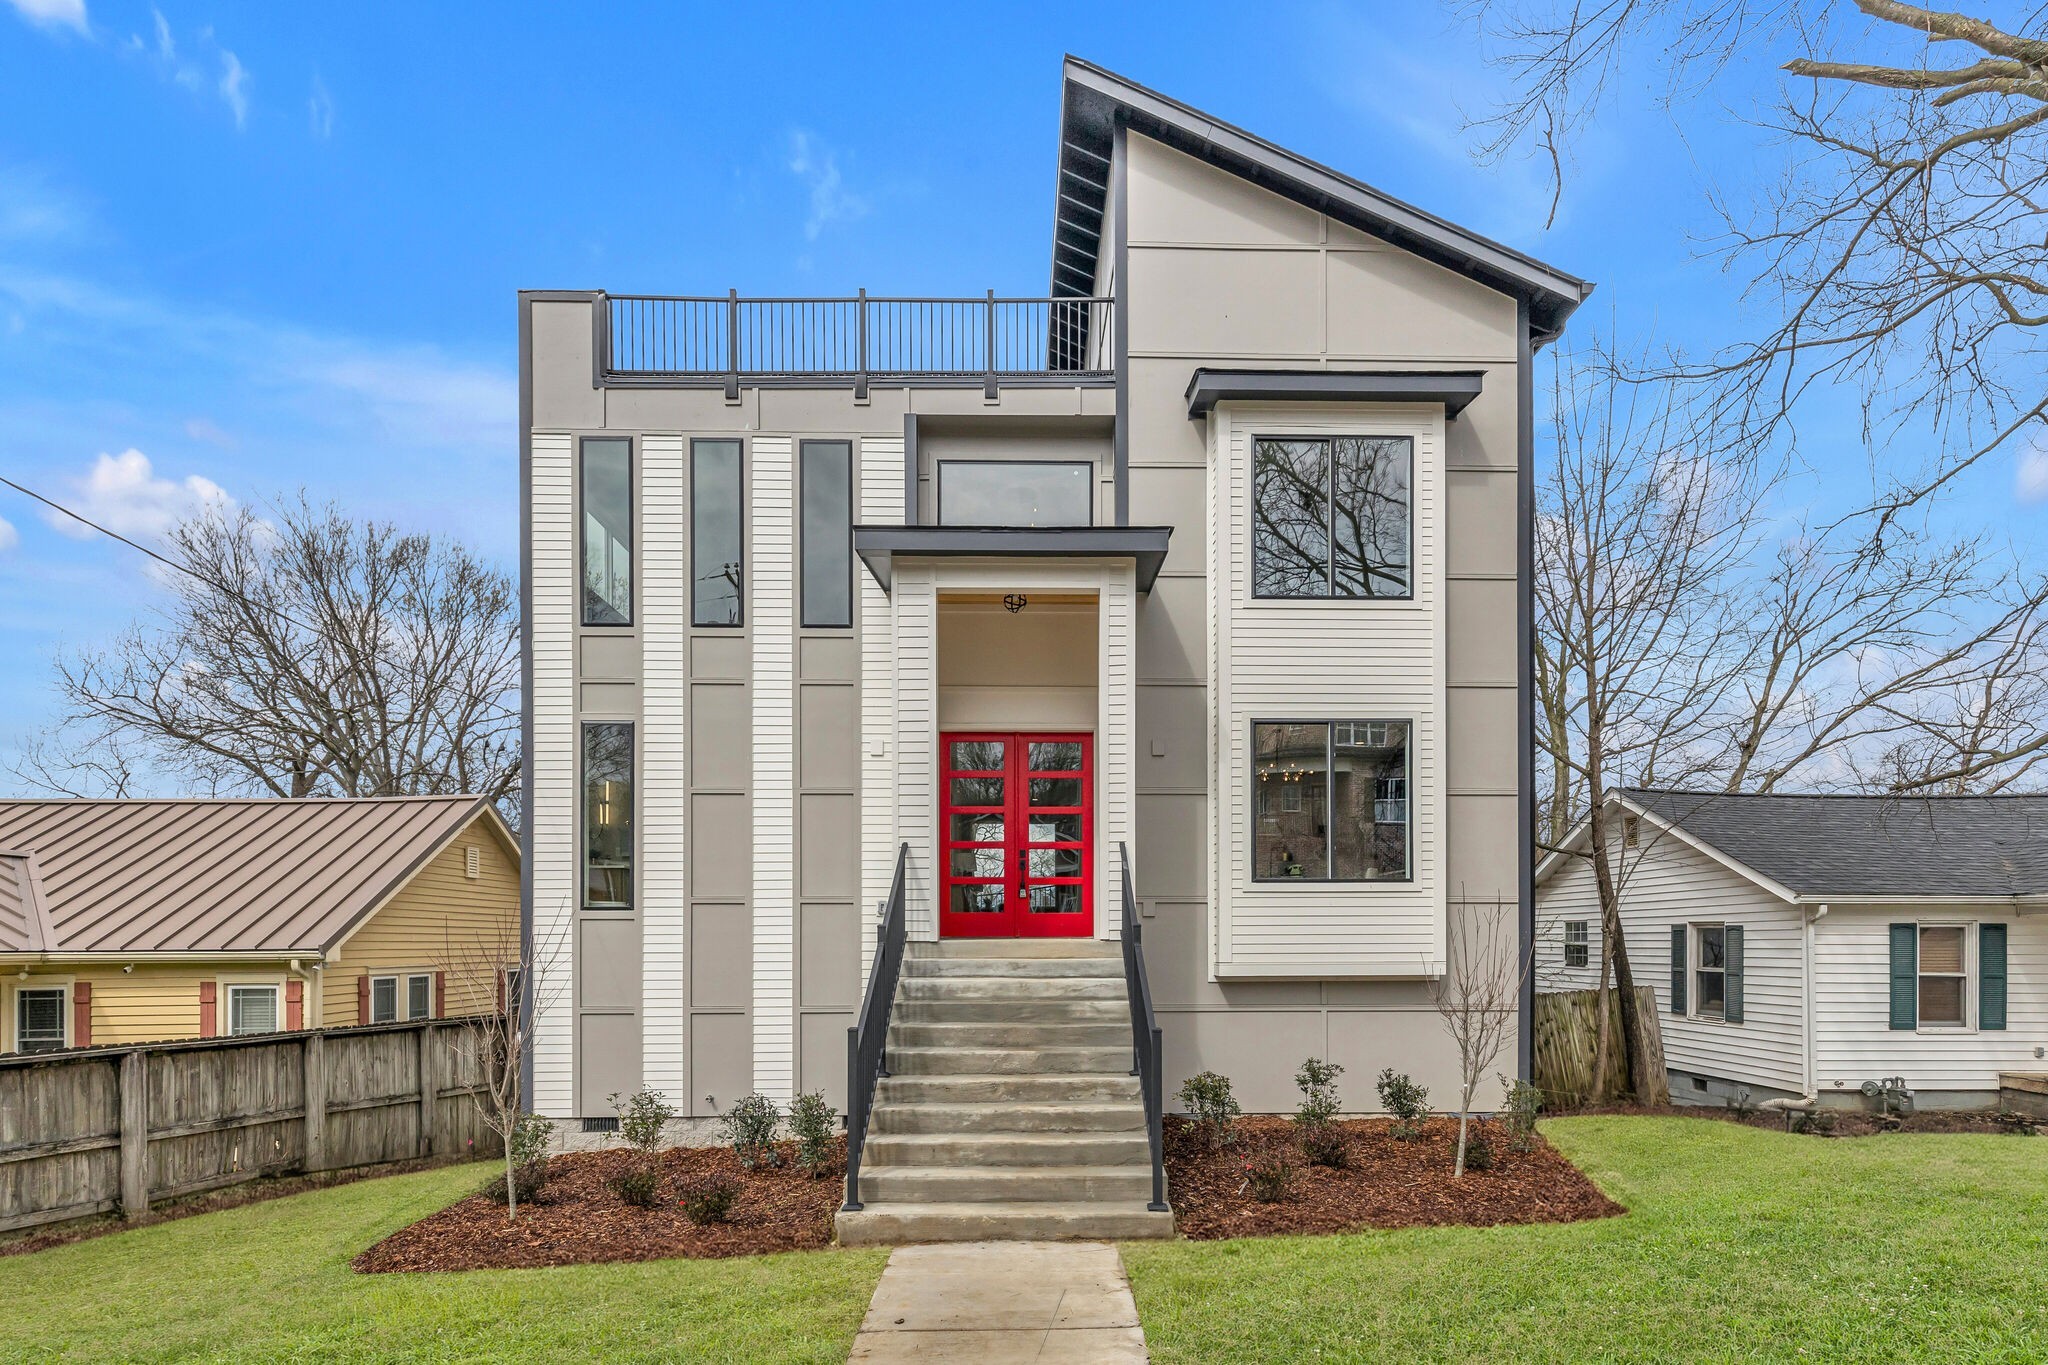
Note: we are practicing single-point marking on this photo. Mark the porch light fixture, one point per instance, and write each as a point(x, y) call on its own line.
point(1015, 602)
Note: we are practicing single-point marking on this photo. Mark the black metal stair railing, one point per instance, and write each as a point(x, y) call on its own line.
point(867, 1058)
point(1147, 1041)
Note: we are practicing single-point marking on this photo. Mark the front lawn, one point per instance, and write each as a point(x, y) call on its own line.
point(271, 1281)
point(1738, 1245)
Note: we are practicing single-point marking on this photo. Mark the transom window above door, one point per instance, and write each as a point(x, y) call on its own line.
point(1016, 493)
point(1332, 516)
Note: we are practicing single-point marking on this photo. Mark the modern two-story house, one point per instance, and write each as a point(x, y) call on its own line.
point(1209, 565)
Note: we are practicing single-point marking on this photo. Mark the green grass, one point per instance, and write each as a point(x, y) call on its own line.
point(1740, 1244)
point(271, 1282)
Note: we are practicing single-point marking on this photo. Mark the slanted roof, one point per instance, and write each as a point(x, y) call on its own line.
point(218, 876)
point(24, 918)
point(1909, 847)
point(1093, 100)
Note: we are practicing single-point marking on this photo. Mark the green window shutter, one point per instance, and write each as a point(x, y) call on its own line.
point(1991, 976)
point(1732, 989)
point(1905, 974)
point(1678, 969)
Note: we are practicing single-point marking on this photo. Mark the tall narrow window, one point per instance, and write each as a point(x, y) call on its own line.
point(1944, 994)
point(419, 997)
point(827, 476)
point(1710, 977)
point(1331, 516)
point(607, 531)
point(39, 1019)
point(383, 999)
point(717, 535)
point(1331, 803)
point(608, 815)
point(1576, 943)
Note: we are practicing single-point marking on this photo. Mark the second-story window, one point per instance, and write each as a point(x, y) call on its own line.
point(607, 815)
point(717, 535)
point(827, 492)
point(607, 531)
point(1331, 516)
point(1016, 493)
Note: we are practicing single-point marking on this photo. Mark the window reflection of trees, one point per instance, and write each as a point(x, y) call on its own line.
point(1331, 517)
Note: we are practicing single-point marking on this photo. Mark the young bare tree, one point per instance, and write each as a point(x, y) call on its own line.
point(305, 654)
point(1478, 995)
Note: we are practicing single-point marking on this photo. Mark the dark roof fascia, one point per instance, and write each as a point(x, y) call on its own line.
point(1553, 294)
point(878, 546)
point(1455, 389)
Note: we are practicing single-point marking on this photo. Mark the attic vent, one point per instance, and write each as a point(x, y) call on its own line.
point(1631, 834)
point(472, 862)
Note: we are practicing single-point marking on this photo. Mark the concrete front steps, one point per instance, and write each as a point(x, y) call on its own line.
point(1009, 1112)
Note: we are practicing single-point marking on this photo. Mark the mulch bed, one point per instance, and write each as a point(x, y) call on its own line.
point(1839, 1123)
point(1390, 1183)
point(580, 1222)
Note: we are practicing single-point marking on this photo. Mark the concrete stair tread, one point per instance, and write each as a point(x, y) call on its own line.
point(883, 1224)
point(1010, 1116)
point(986, 1152)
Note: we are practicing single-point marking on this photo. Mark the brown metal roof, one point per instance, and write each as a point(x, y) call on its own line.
point(211, 876)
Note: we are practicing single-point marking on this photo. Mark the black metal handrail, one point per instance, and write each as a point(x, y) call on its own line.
point(867, 1059)
point(1148, 1047)
point(858, 338)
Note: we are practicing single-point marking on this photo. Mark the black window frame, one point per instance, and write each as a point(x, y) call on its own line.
point(939, 493)
point(740, 475)
point(632, 902)
point(803, 545)
point(1578, 951)
point(1330, 594)
point(1330, 725)
point(583, 534)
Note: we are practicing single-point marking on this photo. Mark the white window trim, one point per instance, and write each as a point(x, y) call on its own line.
point(402, 978)
point(1693, 958)
point(224, 995)
point(1584, 943)
point(1969, 978)
point(10, 1026)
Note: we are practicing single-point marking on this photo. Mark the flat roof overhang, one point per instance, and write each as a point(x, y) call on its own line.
point(1455, 389)
point(878, 546)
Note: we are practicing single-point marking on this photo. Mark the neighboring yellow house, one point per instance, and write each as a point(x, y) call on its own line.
point(140, 921)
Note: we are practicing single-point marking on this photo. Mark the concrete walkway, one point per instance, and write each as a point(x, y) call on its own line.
point(1001, 1302)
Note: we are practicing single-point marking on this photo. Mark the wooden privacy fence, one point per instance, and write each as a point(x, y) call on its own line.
point(1567, 1037)
point(102, 1129)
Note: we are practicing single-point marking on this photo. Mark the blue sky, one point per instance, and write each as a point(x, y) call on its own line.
point(245, 248)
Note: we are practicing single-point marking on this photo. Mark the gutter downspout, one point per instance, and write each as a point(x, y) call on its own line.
point(1820, 912)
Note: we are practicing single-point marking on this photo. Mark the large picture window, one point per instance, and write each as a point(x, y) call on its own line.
point(827, 476)
point(607, 531)
point(1331, 516)
point(1331, 801)
point(608, 815)
point(717, 535)
point(1016, 493)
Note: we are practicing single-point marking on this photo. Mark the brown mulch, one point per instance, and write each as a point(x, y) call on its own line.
point(256, 1191)
point(1843, 1123)
point(580, 1222)
point(1390, 1183)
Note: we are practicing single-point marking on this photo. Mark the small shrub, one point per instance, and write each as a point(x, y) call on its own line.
point(1478, 1151)
point(530, 1141)
point(750, 1127)
point(1518, 1114)
point(709, 1200)
point(643, 1116)
point(810, 1118)
point(639, 1184)
point(1215, 1110)
point(1314, 1121)
point(1268, 1180)
point(1406, 1101)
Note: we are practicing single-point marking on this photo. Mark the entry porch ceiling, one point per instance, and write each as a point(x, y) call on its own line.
point(1145, 546)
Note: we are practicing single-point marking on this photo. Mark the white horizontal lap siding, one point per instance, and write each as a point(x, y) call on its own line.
point(771, 554)
point(1338, 660)
point(915, 746)
point(1115, 741)
point(1854, 1041)
point(664, 755)
point(881, 504)
point(551, 805)
point(1570, 893)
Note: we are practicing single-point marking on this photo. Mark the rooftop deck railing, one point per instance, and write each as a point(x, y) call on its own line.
point(990, 340)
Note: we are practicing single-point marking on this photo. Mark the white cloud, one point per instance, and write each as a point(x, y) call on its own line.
point(32, 209)
point(54, 13)
point(123, 494)
point(813, 163)
point(320, 110)
point(2030, 480)
point(9, 537)
point(207, 430)
point(166, 47)
point(232, 80)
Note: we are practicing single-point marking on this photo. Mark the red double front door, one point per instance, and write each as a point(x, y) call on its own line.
point(1017, 817)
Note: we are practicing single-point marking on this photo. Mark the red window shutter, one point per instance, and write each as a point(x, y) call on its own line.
point(440, 995)
point(501, 992)
point(81, 1014)
point(294, 1004)
point(363, 998)
point(208, 1024)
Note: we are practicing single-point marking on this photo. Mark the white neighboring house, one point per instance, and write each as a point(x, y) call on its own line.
point(1801, 945)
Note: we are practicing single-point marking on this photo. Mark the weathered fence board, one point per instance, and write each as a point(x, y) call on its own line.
point(100, 1129)
point(1567, 1037)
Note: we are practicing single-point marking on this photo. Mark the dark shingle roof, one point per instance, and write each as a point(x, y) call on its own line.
point(1908, 846)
